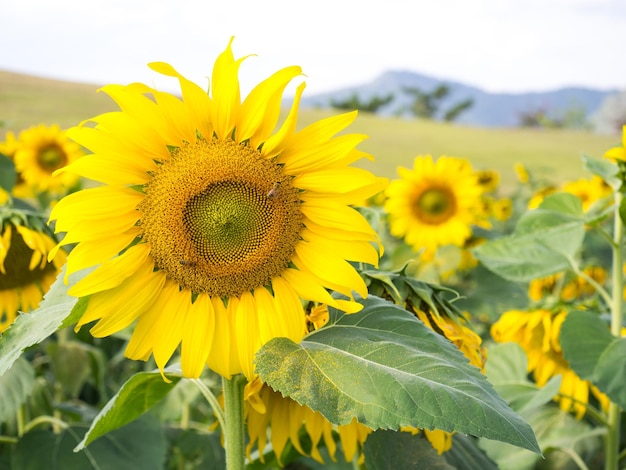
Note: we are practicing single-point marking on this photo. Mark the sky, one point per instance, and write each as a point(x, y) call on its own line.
point(496, 45)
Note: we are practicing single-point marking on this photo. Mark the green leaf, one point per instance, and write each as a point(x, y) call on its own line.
point(138, 394)
point(466, 455)
point(507, 370)
point(610, 372)
point(596, 355)
point(604, 168)
point(555, 429)
point(8, 175)
point(544, 241)
point(387, 369)
point(140, 445)
point(390, 450)
point(191, 448)
point(32, 328)
point(71, 365)
point(16, 385)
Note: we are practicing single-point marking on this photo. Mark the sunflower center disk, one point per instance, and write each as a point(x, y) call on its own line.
point(52, 158)
point(435, 205)
point(220, 218)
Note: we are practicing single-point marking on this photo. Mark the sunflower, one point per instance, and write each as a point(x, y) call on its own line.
point(8, 148)
point(488, 180)
point(41, 150)
point(434, 204)
point(589, 191)
point(25, 273)
point(537, 332)
point(521, 172)
point(211, 228)
point(570, 289)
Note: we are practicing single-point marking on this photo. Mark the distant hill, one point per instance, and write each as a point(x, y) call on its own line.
point(489, 109)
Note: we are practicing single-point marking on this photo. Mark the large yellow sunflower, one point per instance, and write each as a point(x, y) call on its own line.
point(211, 227)
point(435, 203)
point(41, 150)
point(25, 273)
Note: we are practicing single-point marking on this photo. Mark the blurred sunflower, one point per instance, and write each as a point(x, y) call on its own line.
point(488, 180)
point(41, 150)
point(589, 191)
point(210, 226)
point(8, 148)
point(521, 172)
point(567, 288)
point(25, 273)
point(537, 332)
point(434, 204)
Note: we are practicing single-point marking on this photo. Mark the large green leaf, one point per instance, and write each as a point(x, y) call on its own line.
point(544, 242)
point(138, 394)
point(595, 355)
point(387, 369)
point(507, 370)
point(15, 387)
point(32, 328)
point(140, 445)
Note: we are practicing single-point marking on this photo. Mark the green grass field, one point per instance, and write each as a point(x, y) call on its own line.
point(27, 100)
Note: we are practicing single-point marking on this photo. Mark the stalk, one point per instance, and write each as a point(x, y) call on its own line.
point(613, 430)
point(234, 431)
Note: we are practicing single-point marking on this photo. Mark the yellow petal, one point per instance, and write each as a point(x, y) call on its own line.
point(195, 97)
point(261, 108)
point(362, 252)
point(112, 273)
point(225, 93)
point(277, 142)
point(119, 307)
point(197, 340)
point(329, 267)
point(223, 357)
point(247, 333)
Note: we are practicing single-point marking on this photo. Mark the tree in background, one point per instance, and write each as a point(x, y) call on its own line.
point(428, 104)
point(353, 102)
point(611, 116)
point(574, 117)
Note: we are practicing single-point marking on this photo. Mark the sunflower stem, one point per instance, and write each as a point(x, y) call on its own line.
point(612, 437)
point(234, 431)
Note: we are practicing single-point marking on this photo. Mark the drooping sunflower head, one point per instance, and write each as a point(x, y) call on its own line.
point(537, 332)
point(283, 421)
point(434, 204)
point(25, 272)
point(211, 227)
point(41, 150)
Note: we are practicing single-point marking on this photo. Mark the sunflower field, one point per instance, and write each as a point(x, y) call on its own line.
point(197, 281)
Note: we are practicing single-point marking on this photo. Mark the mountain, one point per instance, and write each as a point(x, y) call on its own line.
point(489, 109)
